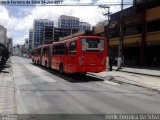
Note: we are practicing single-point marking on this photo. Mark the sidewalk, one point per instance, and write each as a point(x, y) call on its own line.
point(7, 91)
point(142, 71)
point(135, 76)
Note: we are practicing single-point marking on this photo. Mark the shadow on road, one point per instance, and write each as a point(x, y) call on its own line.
point(73, 78)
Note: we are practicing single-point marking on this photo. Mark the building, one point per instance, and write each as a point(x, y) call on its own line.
point(31, 33)
point(141, 34)
point(3, 35)
point(100, 29)
point(68, 25)
point(51, 34)
point(48, 34)
point(84, 26)
point(10, 45)
point(38, 29)
point(103, 23)
point(17, 50)
point(79, 33)
point(68, 22)
point(62, 32)
point(26, 45)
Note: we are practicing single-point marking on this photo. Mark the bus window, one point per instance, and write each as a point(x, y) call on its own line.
point(92, 45)
point(33, 52)
point(62, 49)
point(53, 50)
point(66, 50)
point(72, 48)
point(39, 51)
point(59, 49)
point(45, 51)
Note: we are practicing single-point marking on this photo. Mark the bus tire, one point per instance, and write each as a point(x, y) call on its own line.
point(61, 69)
point(34, 62)
point(38, 62)
point(45, 63)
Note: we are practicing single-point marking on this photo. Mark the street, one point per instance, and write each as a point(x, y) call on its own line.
point(44, 91)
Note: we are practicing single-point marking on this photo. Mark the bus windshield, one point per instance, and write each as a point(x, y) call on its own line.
point(92, 45)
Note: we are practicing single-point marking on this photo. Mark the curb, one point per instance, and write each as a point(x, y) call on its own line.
point(140, 73)
point(121, 70)
point(139, 85)
point(131, 82)
point(113, 79)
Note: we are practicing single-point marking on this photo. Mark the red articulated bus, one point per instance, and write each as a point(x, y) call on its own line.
point(36, 55)
point(79, 54)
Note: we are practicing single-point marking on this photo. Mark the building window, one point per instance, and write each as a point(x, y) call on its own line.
point(140, 7)
point(132, 30)
point(129, 11)
point(114, 33)
point(153, 26)
point(153, 3)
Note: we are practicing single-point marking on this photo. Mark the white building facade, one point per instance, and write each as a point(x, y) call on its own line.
point(84, 26)
point(10, 45)
point(68, 22)
point(31, 39)
point(3, 35)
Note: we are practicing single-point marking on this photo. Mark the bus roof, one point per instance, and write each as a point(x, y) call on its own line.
point(74, 37)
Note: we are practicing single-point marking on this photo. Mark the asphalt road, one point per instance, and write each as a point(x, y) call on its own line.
point(44, 91)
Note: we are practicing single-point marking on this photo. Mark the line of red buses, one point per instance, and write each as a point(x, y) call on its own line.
point(80, 54)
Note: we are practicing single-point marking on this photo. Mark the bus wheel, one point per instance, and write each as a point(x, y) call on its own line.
point(38, 62)
point(46, 64)
point(61, 69)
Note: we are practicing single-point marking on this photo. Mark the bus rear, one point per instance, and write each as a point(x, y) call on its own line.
point(92, 54)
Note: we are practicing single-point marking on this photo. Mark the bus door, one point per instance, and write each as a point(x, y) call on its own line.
point(50, 56)
point(93, 52)
point(47, 54)
point(71, 61)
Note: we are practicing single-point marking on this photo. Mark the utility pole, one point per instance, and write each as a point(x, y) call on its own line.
point(108, 19)
point(108, 55)
point(120, 50)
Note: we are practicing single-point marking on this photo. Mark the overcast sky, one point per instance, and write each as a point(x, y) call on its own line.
point(19, 19)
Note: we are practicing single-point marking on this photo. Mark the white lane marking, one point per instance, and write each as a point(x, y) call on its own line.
point(111, 83)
